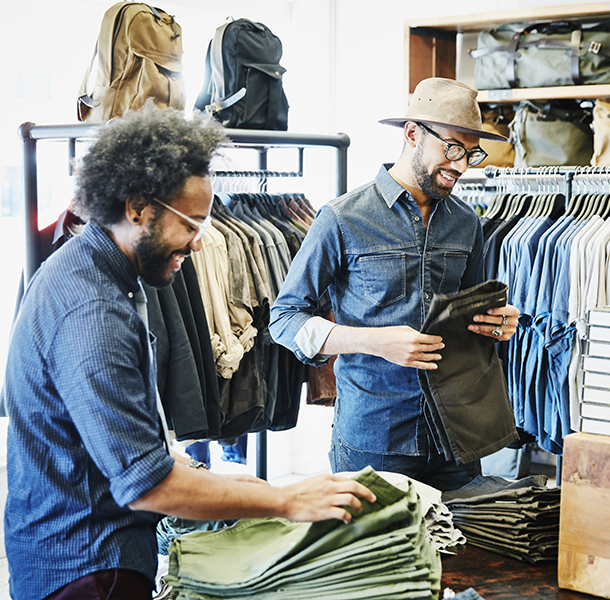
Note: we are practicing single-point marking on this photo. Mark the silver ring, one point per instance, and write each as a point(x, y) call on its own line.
point(504, 320)
point(497, 331)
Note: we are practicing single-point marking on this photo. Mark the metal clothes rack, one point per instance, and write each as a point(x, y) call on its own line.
point(569, 174)
point(260, 141)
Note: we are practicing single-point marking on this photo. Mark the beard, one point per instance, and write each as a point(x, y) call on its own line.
point(429, 182)
point(155, 255)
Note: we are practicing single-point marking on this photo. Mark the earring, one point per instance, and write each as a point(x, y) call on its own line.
point(136, 220)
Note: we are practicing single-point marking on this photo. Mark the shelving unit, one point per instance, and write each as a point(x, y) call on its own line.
point(595, 390)
point(430, 48)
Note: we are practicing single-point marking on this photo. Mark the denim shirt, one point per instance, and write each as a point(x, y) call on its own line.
point(381, 266)
point(84, 439)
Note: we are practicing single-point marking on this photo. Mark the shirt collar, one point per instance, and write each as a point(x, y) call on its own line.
point(391, 190)
point(111, 258)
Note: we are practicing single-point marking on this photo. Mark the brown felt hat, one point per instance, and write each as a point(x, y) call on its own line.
point(448, 103)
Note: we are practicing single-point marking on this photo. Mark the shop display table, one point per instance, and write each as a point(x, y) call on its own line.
point(496, 577)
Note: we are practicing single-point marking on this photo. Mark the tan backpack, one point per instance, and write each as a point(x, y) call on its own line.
point(601, 133)
point(138, 55)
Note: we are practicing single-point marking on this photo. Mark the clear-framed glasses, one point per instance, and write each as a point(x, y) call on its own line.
point(199, 226)
point(456, 151)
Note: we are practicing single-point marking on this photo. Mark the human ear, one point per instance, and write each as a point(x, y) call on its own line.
point(411, 131)
point(134, 208)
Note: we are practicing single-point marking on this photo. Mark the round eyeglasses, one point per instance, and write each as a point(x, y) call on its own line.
point(455, 152)
point(199, 226)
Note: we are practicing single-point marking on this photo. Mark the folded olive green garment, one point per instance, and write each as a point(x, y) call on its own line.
point(383, 552)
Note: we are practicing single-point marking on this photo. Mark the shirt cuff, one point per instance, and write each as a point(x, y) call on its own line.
point(311, 337)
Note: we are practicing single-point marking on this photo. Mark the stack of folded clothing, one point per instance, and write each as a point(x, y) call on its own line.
point(383, 553)
point(439, 521)
point(512, 518)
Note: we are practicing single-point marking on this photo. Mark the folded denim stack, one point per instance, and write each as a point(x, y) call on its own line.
point(170, 527)
point(383, 553)
point(518, 519)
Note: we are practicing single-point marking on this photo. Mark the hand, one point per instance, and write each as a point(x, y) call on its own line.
point(323, 496)
point(405, 346)
point(503, 320)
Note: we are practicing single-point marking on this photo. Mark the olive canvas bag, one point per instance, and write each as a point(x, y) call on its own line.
point(542, 55)
point(552, 133)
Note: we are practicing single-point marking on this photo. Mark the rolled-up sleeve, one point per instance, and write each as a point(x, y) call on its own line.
point(293, 321)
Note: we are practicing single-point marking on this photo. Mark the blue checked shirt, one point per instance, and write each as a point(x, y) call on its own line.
point(382, 266)
point(84, 438)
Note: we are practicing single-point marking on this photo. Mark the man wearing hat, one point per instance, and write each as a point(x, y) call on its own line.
point(382, 251)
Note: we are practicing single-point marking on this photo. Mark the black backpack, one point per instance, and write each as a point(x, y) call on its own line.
point(242, 85)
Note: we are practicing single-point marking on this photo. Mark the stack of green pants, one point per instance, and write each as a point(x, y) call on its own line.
point(383, 553)
point(510, 518)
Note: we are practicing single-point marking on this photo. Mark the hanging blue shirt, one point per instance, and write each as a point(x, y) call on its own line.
point(84, 438)
point(381, 265)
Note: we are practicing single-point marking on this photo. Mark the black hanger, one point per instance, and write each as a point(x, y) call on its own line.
point(574, 205)
point(605, 207)
point(539, 205)
point(557, 207)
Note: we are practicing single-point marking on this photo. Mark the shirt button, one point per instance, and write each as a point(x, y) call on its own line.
point(416, 219)
point(130, 295)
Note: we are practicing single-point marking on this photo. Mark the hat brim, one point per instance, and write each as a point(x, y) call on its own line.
point(480, 133)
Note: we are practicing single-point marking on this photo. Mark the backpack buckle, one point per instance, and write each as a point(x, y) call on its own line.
point(212, 108)
point(595, 47)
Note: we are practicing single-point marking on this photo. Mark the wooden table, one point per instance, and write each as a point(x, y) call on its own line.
point(496, 577)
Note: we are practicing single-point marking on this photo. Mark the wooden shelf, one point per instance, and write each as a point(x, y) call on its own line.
point(430, 48)
point(489, 20)
point(580, 92)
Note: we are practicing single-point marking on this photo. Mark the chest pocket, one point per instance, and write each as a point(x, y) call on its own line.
point(454, 265)
point(384, 278)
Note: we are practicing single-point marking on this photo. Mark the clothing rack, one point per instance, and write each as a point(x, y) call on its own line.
point(260, 141)
point(568, 174)
point(571, 178)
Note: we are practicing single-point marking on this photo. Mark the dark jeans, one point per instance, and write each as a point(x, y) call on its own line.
point(432, 470)
point(111, 584)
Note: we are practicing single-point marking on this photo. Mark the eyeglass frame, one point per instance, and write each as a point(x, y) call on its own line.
point(200, 226)
point(449, 145)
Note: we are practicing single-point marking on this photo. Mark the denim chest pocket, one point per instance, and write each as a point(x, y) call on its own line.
point(384, 277)
point(454, 265)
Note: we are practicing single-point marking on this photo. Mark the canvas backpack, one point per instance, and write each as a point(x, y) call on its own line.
point(242, 85)
point(138, 55)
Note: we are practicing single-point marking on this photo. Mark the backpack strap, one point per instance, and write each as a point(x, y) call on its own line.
point(217, 81)
point(219, 105)
point(85, 102)
point(205, 95)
